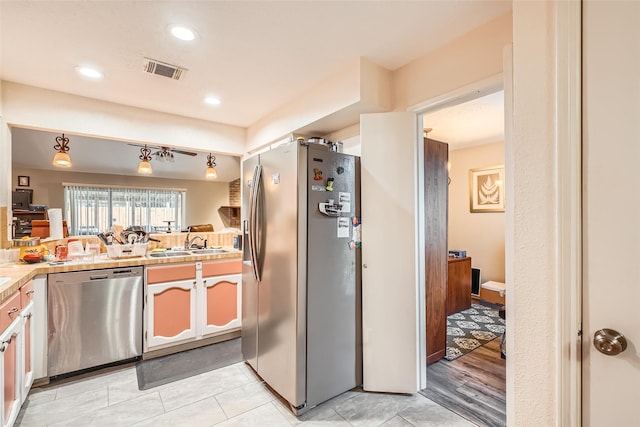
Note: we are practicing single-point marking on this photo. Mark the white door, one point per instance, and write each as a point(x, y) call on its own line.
point(390, 234)
point(611, 259)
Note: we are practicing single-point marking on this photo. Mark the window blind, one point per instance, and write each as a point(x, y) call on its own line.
point(92, 209)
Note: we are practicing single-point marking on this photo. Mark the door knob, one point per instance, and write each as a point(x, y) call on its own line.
point(609, 342)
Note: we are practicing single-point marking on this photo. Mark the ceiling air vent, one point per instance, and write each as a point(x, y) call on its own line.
point(163, 69)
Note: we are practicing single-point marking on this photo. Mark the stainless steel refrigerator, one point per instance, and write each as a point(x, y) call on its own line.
point(301, 271)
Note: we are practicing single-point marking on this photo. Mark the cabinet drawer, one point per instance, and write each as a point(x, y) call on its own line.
point(26, 293)
point(219, 268)
point(171, 273)
point(9, 310)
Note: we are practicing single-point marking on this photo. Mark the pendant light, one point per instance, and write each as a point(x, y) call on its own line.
point(211, 167)
point(61, 158)
point(145, 157)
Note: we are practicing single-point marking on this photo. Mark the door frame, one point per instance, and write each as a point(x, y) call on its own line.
point(569, 216)
point(466, 93)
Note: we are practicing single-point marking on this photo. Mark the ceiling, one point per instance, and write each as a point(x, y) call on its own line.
point(255, 56)
point(34, 149)
point(475, 122)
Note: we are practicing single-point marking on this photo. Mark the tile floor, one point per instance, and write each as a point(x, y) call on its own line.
point(230, 396)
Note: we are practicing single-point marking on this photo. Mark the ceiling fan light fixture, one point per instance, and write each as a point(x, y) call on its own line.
point(61, 159)
point(211, 172)
point(145, 158)
point(164, 154)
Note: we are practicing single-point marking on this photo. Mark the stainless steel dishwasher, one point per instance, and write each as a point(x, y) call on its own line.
point(95, 318)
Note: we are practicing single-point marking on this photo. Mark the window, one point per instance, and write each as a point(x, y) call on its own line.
point(92, 209)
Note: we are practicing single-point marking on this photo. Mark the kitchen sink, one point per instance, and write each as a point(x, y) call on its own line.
point(168, 254)
point(208, 251)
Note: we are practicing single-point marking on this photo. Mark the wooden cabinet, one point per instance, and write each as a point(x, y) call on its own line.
point(459, 285)
point(10, 354)
point(188, 302)
point(436, 155)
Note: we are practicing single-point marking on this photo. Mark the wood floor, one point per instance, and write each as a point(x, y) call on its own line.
point(473, 386)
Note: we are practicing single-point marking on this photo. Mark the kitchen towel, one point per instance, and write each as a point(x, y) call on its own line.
point(55, 223)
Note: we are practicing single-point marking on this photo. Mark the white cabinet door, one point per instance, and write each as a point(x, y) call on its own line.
point(611, 201)
point(40, 327)
point(26, 350)
point(390, 288)
point(171, 313)
point(220, 304)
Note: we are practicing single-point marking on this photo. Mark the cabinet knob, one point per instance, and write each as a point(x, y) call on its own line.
point(30, 292)
point(11, 312)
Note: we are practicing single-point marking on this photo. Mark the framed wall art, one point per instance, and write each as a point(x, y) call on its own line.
point(486, 189)
point(23, 181)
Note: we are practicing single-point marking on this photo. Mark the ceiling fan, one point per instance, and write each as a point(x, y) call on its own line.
point(165, 153)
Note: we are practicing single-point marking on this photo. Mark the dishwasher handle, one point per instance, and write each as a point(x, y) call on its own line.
point(100, 277)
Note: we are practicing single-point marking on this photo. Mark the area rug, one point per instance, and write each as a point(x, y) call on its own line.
point(162, 370)
point(471, 328)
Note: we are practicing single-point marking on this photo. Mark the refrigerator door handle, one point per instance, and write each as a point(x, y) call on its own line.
point(252, 222)
point(257, 219)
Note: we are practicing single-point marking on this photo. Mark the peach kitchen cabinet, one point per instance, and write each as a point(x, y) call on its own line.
point(10, 356)
point(170, 309)
point(188, 302)
point(221, 303)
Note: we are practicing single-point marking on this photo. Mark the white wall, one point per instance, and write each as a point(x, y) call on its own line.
point(33, 107)
point(362, 87)
point(533, 371)
point(480, 234)
point(203, 198)
point(473, 57)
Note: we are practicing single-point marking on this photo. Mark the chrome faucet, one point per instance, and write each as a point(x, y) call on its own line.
point(189, 242)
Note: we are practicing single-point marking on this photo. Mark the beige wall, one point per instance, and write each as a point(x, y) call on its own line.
point(473, 57)
point(480, 234)
point(203, 198)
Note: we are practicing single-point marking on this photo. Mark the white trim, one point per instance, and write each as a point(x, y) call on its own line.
point(465, 93)
point(569, 218)
point(509, 217)
point(421, 305)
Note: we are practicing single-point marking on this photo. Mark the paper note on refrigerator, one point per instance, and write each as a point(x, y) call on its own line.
point(343, 227)
point(345, 200)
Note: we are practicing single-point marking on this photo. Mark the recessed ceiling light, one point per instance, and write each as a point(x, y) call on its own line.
point(212, 100)
point(183, 33)
point(89, 72)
